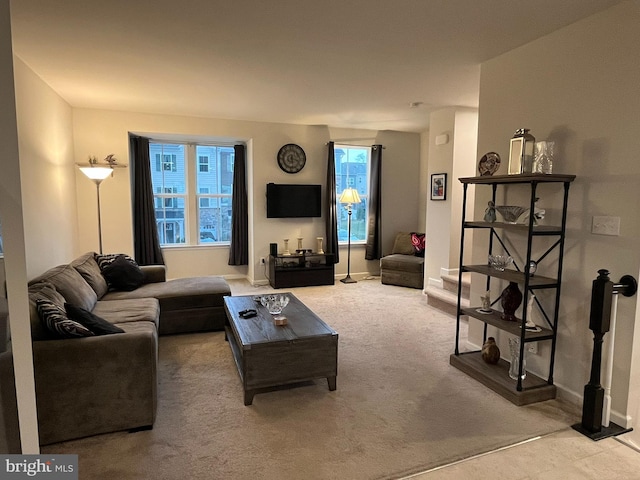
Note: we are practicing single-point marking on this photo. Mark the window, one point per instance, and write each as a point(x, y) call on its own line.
point(193, 185)
point(352, 171)
point(203, 162)
point(166, 162)
point(203, 201)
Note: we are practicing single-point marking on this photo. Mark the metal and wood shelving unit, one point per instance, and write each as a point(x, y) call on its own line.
point(532, 388)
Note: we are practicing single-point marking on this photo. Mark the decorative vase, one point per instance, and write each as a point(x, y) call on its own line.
point(543, 158)
point(510, 300)
point(299, 243)
point(514, 350)
point(490, 351)
point(319, 240)
point(286, 247)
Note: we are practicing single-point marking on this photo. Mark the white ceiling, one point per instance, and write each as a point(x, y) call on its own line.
point(342, 63)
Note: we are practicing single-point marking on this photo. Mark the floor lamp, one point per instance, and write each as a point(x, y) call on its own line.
point(349, 196)
point(97, 175)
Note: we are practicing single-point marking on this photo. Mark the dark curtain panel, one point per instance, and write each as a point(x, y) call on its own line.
point(146, 244)
point(374, 213)
point(332, 213)
point(239, 251)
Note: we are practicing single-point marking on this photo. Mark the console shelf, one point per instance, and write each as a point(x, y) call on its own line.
point(532, 388)
point(301, 270)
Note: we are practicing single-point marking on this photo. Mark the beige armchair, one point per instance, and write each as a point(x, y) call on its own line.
point(405, 265)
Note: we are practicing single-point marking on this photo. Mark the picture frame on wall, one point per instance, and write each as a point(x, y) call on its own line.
point(438, 186)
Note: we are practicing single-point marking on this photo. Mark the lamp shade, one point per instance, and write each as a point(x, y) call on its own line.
point(350, 195)
point(96, 173)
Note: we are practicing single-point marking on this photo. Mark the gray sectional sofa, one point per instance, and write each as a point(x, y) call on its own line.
point(105, 383)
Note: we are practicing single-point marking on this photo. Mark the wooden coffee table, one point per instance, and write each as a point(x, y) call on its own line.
point(268, 355)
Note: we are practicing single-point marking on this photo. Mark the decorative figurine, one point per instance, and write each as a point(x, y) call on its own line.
point(490, 212)
point(530, 326)
point(486, 302)
point(538, 213)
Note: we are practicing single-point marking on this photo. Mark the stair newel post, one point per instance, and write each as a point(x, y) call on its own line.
point(599, 323)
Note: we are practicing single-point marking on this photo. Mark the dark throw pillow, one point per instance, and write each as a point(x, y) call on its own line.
point(104, 259)
point(98, 325)
point(57, 321)
point(418, 242)
point(123, 274)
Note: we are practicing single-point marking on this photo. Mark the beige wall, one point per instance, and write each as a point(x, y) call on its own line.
point(456, 158)
point(100, 132)
point(579, 87)
point(47, 171)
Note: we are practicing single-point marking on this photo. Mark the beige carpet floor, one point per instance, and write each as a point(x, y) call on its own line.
point(399, 407)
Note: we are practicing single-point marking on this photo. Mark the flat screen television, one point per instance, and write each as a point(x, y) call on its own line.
point(293, 200)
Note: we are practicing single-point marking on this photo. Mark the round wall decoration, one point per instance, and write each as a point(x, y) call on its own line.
point(291, 158)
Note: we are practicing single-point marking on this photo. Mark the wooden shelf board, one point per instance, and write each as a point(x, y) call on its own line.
point(496, 377)
point(520, 178)
point(537, 229)
point(495, 319)
point(535, 281)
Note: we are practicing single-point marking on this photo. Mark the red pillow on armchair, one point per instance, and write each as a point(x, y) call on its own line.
point(418, 242)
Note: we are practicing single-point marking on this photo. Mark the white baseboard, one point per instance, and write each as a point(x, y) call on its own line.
point(449, 271)
point(576, 399)
point(435, 282)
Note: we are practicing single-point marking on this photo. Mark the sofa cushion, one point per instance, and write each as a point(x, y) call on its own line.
point(123, 312)
point(87, 266)
point(402, 244)
point(56, 320)
point(98, 325)
point(42, 291)
point(71, 285)
point(181, 293)
point(123, 274)
point(405, 263)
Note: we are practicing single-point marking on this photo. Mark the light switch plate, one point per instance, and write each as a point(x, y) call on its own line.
point(602, 225)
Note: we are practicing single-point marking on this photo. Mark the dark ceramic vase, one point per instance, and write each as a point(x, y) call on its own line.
point(510, 300)
point(490, 351)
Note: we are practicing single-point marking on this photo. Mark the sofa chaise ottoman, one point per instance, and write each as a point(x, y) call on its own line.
point(104, 383)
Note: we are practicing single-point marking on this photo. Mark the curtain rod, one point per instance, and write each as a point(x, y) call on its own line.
point(191, 143)
point(351, 145)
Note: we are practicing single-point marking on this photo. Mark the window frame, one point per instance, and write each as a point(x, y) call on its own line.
point(192, 193)
point(352, 183)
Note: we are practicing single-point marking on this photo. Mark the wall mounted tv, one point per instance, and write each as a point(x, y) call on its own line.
point(293, 200)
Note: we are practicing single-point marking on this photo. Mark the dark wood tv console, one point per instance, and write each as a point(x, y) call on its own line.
point(301, 270)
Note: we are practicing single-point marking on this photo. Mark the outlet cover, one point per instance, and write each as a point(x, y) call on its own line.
point(602, 225)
